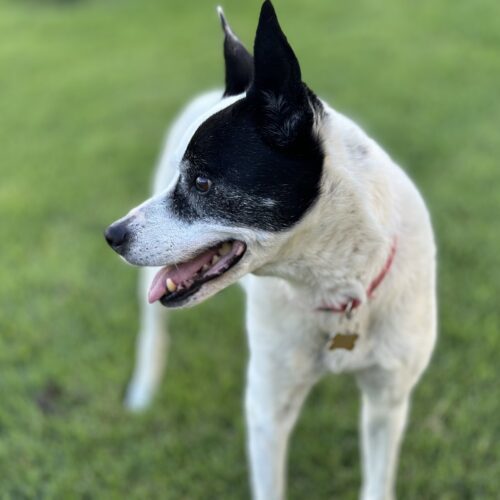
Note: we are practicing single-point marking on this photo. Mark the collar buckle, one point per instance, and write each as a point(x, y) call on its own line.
point(349, 308)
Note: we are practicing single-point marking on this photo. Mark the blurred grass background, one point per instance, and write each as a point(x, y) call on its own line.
point(86, 91)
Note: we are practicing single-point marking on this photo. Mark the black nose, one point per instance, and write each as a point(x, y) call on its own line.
point(117, 235)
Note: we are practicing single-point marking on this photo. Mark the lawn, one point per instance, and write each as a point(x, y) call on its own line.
point(86, 91)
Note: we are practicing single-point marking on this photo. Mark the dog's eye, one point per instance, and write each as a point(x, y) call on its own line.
point(203, 184)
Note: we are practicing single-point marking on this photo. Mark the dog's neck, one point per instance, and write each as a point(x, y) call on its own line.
point(343, 242)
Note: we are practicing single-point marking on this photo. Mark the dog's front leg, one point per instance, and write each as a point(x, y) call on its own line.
point(385, 402)
point(282, 369)
point(151, 349)
point(274, 397)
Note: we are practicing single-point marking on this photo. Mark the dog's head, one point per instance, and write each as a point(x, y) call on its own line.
point(246, 174)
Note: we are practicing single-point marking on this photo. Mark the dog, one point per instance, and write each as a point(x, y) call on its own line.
point(265, 184)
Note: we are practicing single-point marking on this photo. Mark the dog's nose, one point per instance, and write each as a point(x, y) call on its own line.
point(117, 235)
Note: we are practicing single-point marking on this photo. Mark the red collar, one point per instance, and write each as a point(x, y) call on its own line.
point(354, 303)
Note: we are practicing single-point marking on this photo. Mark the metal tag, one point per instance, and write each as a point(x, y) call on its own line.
point(345, 341)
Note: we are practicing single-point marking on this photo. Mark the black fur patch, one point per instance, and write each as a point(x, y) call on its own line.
point(260, 153)
point(238, 62)
point(255, 184)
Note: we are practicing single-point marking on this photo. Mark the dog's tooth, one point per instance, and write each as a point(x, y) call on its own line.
point(240, 250)
point(171, 286)
point(225, 249)
point(206, 267)
point(215, 259)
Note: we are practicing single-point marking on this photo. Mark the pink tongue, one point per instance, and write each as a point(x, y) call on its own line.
point(158, 287)
point(178, 274)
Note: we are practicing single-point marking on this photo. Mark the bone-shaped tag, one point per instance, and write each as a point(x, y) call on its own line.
point(345, 341)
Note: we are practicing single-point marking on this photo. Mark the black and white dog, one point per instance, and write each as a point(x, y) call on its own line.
point(266, 184)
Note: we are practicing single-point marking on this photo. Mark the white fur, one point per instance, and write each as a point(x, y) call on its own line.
point(367, 202)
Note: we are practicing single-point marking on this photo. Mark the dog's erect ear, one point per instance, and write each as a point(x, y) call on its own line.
point(238, 61)
point(281, 96)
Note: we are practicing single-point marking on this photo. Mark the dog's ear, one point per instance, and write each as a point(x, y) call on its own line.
point(238, 61)
point(282, 100)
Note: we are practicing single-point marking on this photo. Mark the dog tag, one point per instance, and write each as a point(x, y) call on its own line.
point(345, 341)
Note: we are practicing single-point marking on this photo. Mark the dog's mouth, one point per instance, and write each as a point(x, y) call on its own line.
point(174, 284)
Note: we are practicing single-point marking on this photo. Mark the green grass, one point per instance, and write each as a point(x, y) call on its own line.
point(86, 90)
